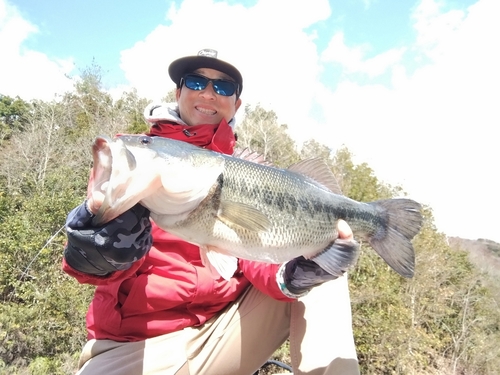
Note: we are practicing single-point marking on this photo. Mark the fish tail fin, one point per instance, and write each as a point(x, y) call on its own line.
point(401, 221)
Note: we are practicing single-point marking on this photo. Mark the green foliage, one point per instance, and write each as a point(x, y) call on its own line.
point(358, 181)
point(133, 106)
point(170, 97)
point(260, 132)
point(36, 315)
point(42, 311)
point(430, 322)
point(12, 111)
point(313, 149)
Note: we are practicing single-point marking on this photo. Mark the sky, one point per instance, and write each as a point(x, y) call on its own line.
point(410, 87)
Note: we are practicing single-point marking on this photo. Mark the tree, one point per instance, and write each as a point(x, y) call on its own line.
point(41, 310)
point(170, 97)
point(260, 132)
point(12, 111)
point(40, 147)
point(43, 176)
point(90, 109)
point(314, 149)
point(133, 107)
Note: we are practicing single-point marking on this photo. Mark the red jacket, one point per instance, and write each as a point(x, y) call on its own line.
point(169, 289)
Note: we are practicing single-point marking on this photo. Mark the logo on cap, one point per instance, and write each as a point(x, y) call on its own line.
point(208, 53)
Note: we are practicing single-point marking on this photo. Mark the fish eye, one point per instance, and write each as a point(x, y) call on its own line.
point(145, 140)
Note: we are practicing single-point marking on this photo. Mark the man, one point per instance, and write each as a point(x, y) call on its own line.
point(158, 310)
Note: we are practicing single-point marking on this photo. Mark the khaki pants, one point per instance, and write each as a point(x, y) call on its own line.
point(242, 338)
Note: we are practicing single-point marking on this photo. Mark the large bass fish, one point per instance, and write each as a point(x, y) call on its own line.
point(236, 208)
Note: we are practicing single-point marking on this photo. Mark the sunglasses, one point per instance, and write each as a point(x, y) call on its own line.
point(198, 82)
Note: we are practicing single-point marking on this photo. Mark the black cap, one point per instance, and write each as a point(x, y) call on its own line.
point(206, 58)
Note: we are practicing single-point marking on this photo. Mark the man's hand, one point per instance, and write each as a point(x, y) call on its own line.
point(298, 276)
point(114, 246)
point(345, 232)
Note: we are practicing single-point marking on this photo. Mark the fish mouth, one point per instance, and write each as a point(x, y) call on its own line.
point(120, 180)
point(101, 176)
point(111, 176)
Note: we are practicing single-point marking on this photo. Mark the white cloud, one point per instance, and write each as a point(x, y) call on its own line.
point(277, 58)
point(338, 52)
point(352, 59)
point(13, 28)
point(435, 29)
point(434, 131)
point(26, 73)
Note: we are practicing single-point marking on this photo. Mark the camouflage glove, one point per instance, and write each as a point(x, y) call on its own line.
point(298, 276)
point(112, 247)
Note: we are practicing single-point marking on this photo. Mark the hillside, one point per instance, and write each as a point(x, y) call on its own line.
point(484, 254)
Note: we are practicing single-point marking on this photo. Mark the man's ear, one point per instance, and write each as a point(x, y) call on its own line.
point(237, 104)
point(178, 93)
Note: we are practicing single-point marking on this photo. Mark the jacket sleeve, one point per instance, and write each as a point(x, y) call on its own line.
point(264, 277)
point(85, 278)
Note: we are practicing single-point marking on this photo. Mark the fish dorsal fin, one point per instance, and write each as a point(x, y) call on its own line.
point(218, 263)
point(319, 171)
point(249, 155)
point(243, 215)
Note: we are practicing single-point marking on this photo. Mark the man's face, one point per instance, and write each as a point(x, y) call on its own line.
point(205, 106)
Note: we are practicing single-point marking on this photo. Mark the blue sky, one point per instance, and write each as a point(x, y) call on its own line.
point(90, 29)
point(96, 30)
point(409, 86)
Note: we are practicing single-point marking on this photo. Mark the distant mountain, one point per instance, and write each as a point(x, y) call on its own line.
point(484, 254)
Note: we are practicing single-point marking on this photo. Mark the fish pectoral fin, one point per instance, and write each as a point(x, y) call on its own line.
point(337, 258)
point(219, 264)
point(243, 215)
